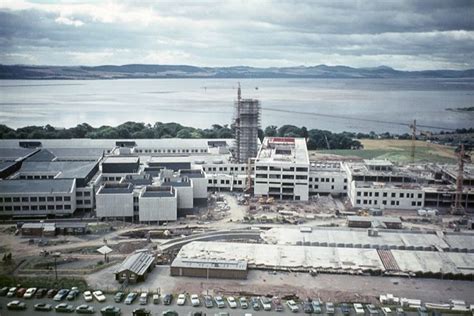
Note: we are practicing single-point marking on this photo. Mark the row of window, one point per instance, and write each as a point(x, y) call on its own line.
point(80, 202)
point(278, 176)
point(34, 207)
point(223, 168)
point(236, 182)
point(111, 178)
point(393, 194)
point(384, 202)
point(37, 177)
point(150, 151)
point(272, 168)
point(87, 193)
point(316, 186)
point(325, 180)
point(27, 199)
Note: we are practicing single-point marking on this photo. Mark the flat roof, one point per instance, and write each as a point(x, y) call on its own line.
point(36, 186)
point(121, 159)
point(116, 188)
point(158, 191)
point(283, 150)
point(210, 264)
point(176, 183)
point(384, 219)
point(63, 169)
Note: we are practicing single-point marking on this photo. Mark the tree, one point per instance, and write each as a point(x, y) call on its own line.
point(271, 131)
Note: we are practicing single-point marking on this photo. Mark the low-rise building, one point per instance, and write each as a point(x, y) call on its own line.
point(135, 267)
point(158, 204)
point(115, 201)
point(202, 268)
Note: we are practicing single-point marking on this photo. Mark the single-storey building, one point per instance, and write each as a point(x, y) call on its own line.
point(135, 267)
point(221, 269)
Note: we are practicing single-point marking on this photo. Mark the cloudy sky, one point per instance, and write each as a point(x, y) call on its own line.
point(409, 35)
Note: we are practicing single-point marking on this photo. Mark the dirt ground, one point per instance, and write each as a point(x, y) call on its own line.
point(329, 287)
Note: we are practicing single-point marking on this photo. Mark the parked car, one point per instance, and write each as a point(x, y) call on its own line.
point(345, 309)
point(317, 308)
point(372, 310)
point(219, 301)
point(359, 309)
point(30, 292)
point(141, 311)
point(99, 296)
point(64, 308)
point(118, 297)
point(16, 305)
point(130, 298)
point(169, 313)
point(199, 313)
point(87, 296)
point(167, 299)
point(110, 310)
point(20, 292)
point(386, 311)
point(61, 295)
point(232, 302)
point(155, 298)
point(195, 301)
point(72, 295)
point(51, 293)
point(400, 312)
point(277, 303)
point(422, 311)
point(11, 292)
point(40, 293)
point(307, 306)
point(208, 301)
point(330, 308)
point(85, 309)
point(181, 299)
point(4, 291)
point(266, 303)
point(243, 302)
point(43, 307)
point(292, 306)
point(143, 298)
point(255, 304)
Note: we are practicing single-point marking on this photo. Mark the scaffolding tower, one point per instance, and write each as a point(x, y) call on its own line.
point(246, 124)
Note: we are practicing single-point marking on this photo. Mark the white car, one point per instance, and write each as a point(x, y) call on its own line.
point(87, 296)
point(292, 306)
point(99, 296)
point(30, 292)
point(231, 301)
point(181, 299)
point(359, 309)
point(195, 300)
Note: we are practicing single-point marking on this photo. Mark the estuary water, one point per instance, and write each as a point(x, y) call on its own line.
point(346, 104)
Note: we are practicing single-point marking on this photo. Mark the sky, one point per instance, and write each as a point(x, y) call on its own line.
point(406, 35)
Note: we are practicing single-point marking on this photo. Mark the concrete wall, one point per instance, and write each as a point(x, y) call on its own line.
point(155, 209)
point(114, 205)
point(209, 273)
point(185, 197)
point(199, 188)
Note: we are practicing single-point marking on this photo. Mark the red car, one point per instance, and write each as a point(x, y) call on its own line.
point(20, 292)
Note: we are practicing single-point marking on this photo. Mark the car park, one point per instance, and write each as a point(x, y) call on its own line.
point(266, 303)
point(40, 293)
point(118, 297)
point(195, 300)
point(51, 293)
point(330, 308)
point(30, 292)
point(11, 292)
point(317, 308)
point(232, 302)
point(277, 303)
point(64, 308)
point(143, 298)
point(359, 309)
point(110, 310)
point(243, 302)
point(167, 299)
point(292, 306)
point(130, 298)
point(20, 292)
point(87, 296)
point(61, 295)
point(16, 305)
point(255, 304)
point(85, 309)
point(43, 307)
point(307, 306)
point(3, 291)
point(99, 296)
point(181, 299)
point(208, 301)
point(155, 298)
point(345, 309)
point(219, 301)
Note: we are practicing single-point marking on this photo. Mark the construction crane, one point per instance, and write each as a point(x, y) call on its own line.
point(463, 156)
point(413, 139)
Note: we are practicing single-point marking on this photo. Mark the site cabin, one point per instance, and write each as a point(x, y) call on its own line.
point(135, 268)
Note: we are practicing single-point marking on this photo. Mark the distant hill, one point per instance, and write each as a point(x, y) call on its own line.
point(185, 71)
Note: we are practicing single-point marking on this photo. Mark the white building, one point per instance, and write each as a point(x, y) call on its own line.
point(115, 200)
point(327, 177)
point(282, 169)
point(158, 204)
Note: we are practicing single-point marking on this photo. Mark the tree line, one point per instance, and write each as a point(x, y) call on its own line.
point(317, 139)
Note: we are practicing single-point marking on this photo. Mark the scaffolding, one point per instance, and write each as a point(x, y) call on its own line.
point(246, 124)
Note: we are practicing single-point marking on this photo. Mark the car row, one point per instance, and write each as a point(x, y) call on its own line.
point(65, 308)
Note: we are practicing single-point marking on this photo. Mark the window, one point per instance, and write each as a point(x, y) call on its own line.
point(392, 202)
point(357, 201)
point(87, 201)
point(301, 169)
point(420, 195)
point(16, 199)
point(366, 193)
point(209, 181)
point(24, 199)
point(67, 198)
point(359, 193)
point(413, 203)
point(376, 194)
point(25, 208)
point(332, 187)
point(402, 195)
point(393, 195)
point(16, 208)
point(301, 177)
point(8, 200)
point(33, 199)
point(34, 207)
point(332, 179)
point(385, 194)
point(88, 193)
point(67, 207)
point(384, 202)
point(50, 199)
point(59, 199)
point(261, 168)
point(50, 207)
point(42, 199)
point(59, 207)
point(42, 207)
point(345, 187)
point(345, 180)
point(79, 202)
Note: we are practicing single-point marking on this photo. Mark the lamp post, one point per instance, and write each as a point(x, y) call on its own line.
point(56, 255)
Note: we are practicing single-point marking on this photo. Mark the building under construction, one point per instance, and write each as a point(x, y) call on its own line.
point(246, 125)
